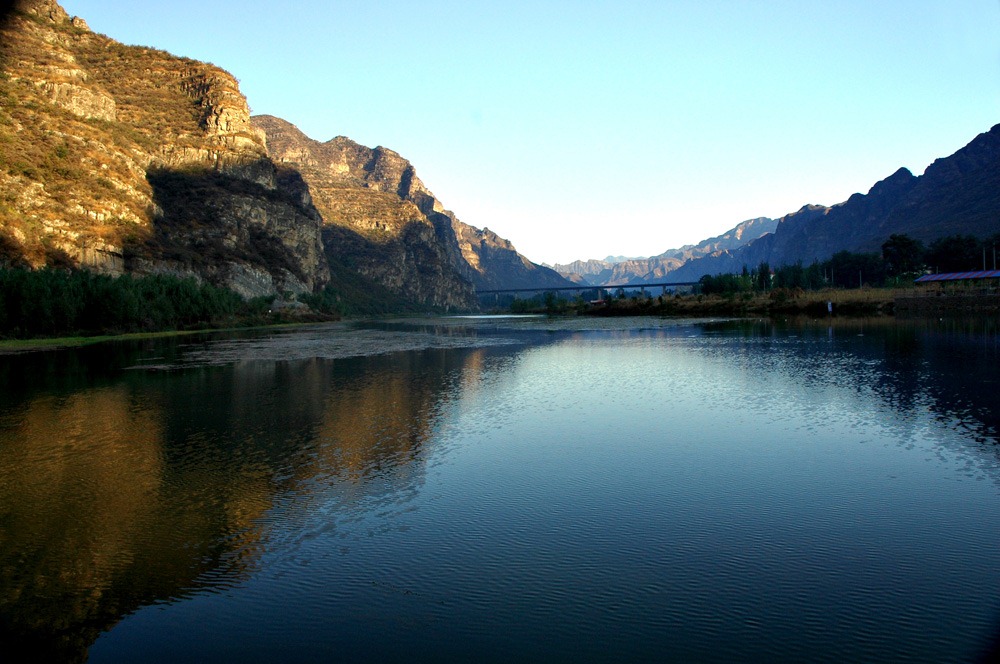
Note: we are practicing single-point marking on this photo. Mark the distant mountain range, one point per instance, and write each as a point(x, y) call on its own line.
point(656, 268)
point(956, 195)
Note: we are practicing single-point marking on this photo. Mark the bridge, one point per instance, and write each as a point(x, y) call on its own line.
point(612, 287)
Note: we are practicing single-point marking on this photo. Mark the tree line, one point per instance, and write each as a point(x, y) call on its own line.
point(901, 260)
point(56, 302)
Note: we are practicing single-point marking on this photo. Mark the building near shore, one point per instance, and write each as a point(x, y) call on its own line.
point(952, 293)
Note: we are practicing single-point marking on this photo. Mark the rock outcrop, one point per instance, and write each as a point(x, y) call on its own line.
point(382, 220)
point(370, 201)
point(124, 158)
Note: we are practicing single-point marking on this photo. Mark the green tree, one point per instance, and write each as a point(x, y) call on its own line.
point(790, 276)
point(902, 255)
point(955, 253)
point(851, 270)
point(762, 276)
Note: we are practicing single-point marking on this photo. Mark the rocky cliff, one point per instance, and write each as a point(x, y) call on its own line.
point(492, 262)
point(372, 205)
point(383, 221)
point(123, 158)
point(959, 194)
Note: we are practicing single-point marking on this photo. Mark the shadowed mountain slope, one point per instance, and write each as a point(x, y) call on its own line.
point(378, 214)
point(959, 194)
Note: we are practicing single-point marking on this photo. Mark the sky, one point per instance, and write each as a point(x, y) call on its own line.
point(582, 129)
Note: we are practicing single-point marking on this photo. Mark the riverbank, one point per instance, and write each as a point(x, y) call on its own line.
point(277, 322)
point(940, 303)
point(857, 302)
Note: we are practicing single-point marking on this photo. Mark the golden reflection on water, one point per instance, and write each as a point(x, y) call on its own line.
point(380, 422)
point(79, 480)
point(148, 486)
point(113, 497)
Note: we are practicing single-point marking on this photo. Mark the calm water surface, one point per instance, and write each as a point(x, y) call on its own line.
point(507, 490)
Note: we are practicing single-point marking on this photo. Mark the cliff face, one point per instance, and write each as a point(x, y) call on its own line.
point(129, 159)
point(383, 221)
point(123, 158)
point(492, 262)
point(370, 201)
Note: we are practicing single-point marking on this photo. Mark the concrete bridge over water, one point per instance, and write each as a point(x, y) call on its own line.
point(664, 285)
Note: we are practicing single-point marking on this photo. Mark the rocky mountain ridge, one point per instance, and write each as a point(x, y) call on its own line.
point(956, 195)
point(663, 266)
point(380, 216)
point(127, 159)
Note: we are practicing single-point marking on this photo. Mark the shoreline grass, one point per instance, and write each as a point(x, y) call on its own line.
point(16, 346)
point(844, 302)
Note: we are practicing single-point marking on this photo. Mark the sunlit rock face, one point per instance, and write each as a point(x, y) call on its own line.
point(129, 159)
point(380, 216)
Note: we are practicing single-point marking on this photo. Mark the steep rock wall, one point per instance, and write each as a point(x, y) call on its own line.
point(370, 201)
point(95, 138)
point(373, 202)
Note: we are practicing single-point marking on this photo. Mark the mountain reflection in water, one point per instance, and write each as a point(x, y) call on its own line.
point(507, 490)
point(147, 487)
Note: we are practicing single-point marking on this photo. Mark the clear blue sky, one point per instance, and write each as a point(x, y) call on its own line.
point(582, 129)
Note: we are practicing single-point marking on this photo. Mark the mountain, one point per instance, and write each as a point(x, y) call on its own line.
point(129, 159)
point(665, 265)
point(959, 194)
point(620, 259)
point(743, 233)
point(593, 271)
point(381, 219)
point(371, 223)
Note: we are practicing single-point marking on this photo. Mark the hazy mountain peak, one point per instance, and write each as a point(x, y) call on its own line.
point(622, 259)
point(658, 268)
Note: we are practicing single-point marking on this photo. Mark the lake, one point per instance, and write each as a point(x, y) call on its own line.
point(507, 489)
